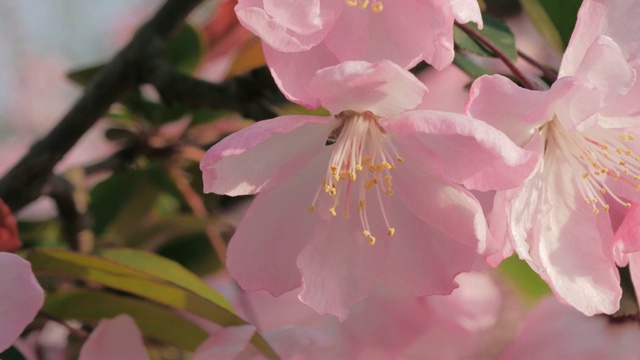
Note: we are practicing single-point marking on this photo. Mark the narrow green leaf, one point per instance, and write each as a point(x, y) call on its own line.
point(525, 280)
point(554, 19)
point(144, 284)
point(494, 30)
point(153, 320)
point(469, 66)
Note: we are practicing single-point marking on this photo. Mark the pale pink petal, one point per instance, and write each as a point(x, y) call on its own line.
point(383, 88)
point(20, 297)
point(225, 344)
point(117, 338)
point(610, 18)
point(404, 32)
point(262, 252)
point(339, 266)
point(422, 259)
point(627, 237)
point(293, 71)
point(288, 25)
point(264, 154)
point(574, 245)
point(623, 111)
point(299, 342)
point(604, 67)
point(499, 245)
point(467, 151)
point(466, 11)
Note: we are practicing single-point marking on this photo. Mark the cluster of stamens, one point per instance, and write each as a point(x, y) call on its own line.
point(376, 5)
point(362, 161)
point(601, 156)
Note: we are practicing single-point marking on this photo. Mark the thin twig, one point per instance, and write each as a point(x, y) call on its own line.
point(551, 75)
point(499, 53)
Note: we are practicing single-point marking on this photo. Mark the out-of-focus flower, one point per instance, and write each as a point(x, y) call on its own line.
point(300, 38)
point(584, 129)
point(9, 240)
point(391, 173)
point(20, 297)
point(556, 331)
point(117, 338)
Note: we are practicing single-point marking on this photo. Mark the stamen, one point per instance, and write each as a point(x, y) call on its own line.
point(359, 141)
point(376, 5)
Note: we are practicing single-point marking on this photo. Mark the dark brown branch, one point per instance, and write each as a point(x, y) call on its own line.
point(25, 180)
point(499, 53)
point(72, 210)
point(249, 94)
point(548, 73)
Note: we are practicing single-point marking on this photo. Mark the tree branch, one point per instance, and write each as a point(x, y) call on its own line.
point(25, 180)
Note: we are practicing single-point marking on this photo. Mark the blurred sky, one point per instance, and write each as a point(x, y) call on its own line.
point(61, 34)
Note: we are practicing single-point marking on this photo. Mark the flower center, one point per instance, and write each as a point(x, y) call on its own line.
point(361, 163)
point(601, 156)
point(376, 5)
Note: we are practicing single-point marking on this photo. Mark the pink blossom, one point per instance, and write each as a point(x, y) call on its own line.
point(20, 297)
point(117, 338)
point(392, 178)
point(583, 128)
point(300, 38)
point(556, 331)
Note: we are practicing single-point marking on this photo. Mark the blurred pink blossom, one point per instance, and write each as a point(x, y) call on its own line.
point(584, 129)
point(117, 338)
point(389, 169)
point(21, 297)
point(300, 38)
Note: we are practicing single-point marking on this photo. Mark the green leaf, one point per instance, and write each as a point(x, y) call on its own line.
point(12, 354)
point(186, 49)
point(173, 286)
point(469, 66)
point(554, 19)
point(153, 320)
point(494, 30)
point(524, 279)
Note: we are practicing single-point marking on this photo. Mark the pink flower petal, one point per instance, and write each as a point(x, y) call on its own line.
point(610, 18)
point(468, 151)
point(20, 297)
point(571, 245)
point(262, 252)
point(383, 88)
point(339, 267)
point(292, 77)
point(264, 154)
point(286, 26)
point(117, 338)
point(225, 344)
point(466, 11)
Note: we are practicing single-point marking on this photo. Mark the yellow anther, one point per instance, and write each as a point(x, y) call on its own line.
point(351, 2)
point(337, 177)
point(366, 233)
point(623, 137)
point(343, 175)
point(346, 215)
point(627, 205)
point(603, 191)
point(334, 169)
point(606, 208)
point(622, 162)
point(369, 184)
point(595, 201)
point(604, 147)
point(366, 159)
point(606, 154)
point(386, 165)
point(372, 168)
point(619, 151)
point(391, 231)
point(596, 211)
point(637, 187)
point(359, 167)
point(363, 4)
point(587, 201)
point(387, 180)
point(362, 204)
point(628, 152)
point(332, 211)
point(389, 192)
point(352, 176)
point(372, 240)
point(400, 159)
point(626, 171)
point(377, 7)
point(631, 137)
point(312, 208)
point(585, 175)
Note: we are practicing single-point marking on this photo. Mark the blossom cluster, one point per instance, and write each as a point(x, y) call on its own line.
point(385, 213)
